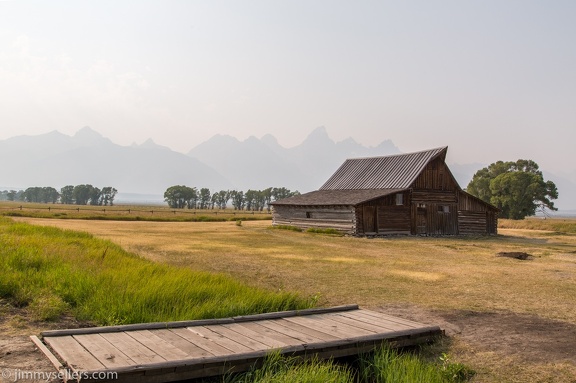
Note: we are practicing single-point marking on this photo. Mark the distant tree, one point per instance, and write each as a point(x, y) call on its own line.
point(50, 195)
point(108, 195)
point(517, 188)
point(223, 198)
point(214, 200)
point(204, 198)
point(95, 196)
point(11, 195)
point(238, 200)
point(32, 194)
point(267, 196)
point(67, 195)
point(14, 195)
point(82, 194)
point(280, 193)
point(180, 196)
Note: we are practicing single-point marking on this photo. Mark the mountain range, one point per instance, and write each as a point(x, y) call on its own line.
point(143, 172)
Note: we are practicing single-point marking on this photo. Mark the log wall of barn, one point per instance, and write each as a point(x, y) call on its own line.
point(475, 217)
point(341, 218)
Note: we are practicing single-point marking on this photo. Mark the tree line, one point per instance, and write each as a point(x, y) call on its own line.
point(84, 194)
point(181, 197)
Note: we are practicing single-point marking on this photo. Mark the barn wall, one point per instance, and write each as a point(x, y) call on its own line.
point(436, 176)
point(389, 218)
point(476, 217)
point(341, 218)
point(432, 218)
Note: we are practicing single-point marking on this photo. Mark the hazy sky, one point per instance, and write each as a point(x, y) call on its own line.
point(491, 79)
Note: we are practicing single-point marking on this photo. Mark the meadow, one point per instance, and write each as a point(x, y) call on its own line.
point(510, 320)
point(157, 213)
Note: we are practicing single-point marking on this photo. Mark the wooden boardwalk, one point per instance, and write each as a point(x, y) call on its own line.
point(163, 352)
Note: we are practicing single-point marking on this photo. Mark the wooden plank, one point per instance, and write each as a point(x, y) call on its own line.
point(391, 318)
point(136, 327)
point(360, 323)
point(42, 347)
point(74, 354)
point(132, 348)
point(154, 342)
point(286, 314)
point(363, 317)
point(200, 341)
point(294, 330)
point(104, 351)
point(180, 338)
point(330, 326)
point(271, 333)
point(254, 335)
point(220, 339)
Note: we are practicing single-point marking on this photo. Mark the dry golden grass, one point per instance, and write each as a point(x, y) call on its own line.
point(443, 273)
point(436, 274)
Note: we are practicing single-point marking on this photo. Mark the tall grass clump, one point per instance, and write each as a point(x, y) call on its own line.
point(279, 369)
point(53, 271)
point(387, 365)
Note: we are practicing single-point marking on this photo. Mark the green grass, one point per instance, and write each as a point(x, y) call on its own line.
point(385, 365)
point(53, 272)
point(279, 369)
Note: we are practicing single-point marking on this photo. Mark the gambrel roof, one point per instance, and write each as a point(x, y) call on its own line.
point(388, 172)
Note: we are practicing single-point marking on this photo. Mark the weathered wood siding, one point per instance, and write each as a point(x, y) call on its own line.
point(341, 218)
point(434, 218)
point(475, 217)
point(436, 176)
point(389, 217)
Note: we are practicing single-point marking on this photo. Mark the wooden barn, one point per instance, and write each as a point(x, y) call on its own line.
point(409, 194)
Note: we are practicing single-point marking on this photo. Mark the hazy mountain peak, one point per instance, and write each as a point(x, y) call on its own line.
point(150, 144)
point(318, 136)
point(269, 140)
point(87, 132)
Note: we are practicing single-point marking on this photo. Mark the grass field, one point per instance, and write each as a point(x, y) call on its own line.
point(449, 277)
point(127, 213)
point(55, 272)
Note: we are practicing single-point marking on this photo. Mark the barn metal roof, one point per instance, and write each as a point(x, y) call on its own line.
point(389, 172)
point(336, 197)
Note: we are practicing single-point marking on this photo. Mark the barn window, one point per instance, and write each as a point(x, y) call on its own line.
point(308, 214)
point(399, 199)
point(443, 209)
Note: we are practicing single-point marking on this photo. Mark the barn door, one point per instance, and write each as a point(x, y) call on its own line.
point(421, 227)
point(369, 214)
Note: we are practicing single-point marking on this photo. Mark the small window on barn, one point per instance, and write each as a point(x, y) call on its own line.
point(308, 214)
point(399, 199)
point(443, 209)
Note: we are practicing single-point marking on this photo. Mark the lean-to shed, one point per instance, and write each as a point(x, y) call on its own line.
point(411, 194)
